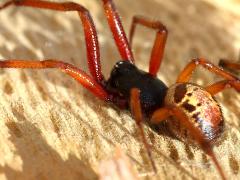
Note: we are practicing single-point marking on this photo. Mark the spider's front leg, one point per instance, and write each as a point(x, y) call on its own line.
point(79, 75)
point(159, 43)
point(118, 32)
point(90, 32)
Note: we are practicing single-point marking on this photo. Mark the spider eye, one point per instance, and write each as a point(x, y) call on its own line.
point(119, 64)
point(122, 70)
point(123, 67)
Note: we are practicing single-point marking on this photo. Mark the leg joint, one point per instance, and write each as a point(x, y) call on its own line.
point(197, 61)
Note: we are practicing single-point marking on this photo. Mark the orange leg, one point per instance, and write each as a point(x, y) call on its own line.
point(188, 70)
point(233, 67)
point(137, 114)
point(117, 30)
point(160, 115)
point(228, 64)
point(199, 137)
point(91, 38)
point(221, 85)
point(195, 132)
point(159, 44)
point(79, 75)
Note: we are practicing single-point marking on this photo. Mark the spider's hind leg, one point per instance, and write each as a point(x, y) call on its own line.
point(221, 85)
point(186, 73)
point(231, 66)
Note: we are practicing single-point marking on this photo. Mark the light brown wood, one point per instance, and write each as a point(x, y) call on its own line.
point(52, 128)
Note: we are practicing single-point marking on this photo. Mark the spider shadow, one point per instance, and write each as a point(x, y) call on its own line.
point(105, 116)
point(40, 76)
point(52, 76)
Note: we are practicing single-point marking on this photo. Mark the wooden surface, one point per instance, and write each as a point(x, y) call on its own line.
point(52, 128)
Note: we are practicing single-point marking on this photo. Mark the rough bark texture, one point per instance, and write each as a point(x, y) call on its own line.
point(52, 128)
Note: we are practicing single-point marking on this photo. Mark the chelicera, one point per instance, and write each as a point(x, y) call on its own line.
point(142, 92)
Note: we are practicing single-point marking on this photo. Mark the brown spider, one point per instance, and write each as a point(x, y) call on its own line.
point(128, 87)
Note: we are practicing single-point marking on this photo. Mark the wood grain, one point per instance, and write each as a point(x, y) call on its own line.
point(52, 128)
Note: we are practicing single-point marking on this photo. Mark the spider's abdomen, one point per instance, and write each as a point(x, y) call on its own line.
point(126, 76)
point(199, 106)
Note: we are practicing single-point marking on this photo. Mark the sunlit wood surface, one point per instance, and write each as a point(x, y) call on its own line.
point(52, 128)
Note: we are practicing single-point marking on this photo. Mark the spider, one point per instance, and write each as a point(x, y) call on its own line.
point(230, 66)
point(128, 87)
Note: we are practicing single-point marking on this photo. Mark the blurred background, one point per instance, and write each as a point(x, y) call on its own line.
point(52, 128)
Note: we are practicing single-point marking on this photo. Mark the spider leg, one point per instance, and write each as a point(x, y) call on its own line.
point(79, 75)
point(160, 115)
point(159, 43)
point(91, 38)
point(118, 32)
point(221, 85)
point(137, 114)
point(195, 132)
point(188, 70)
point(230, 66)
